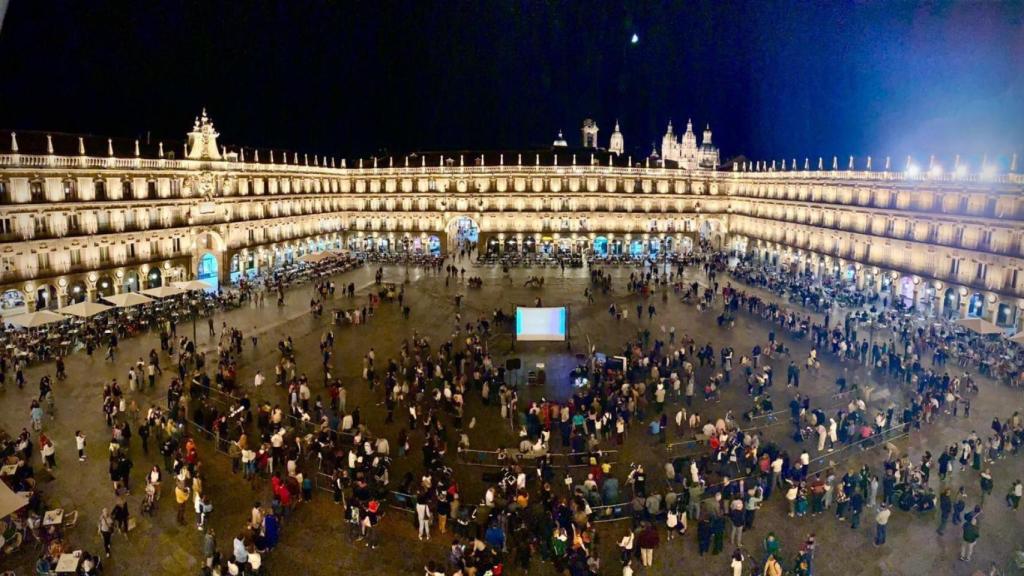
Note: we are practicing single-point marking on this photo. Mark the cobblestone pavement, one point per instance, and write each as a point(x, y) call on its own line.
point(314, 540)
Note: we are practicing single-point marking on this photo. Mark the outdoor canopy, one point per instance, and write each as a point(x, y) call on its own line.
point(1017, 338)
point(980, 326)
point(85, 309)
point(36, 319)
point(194, 285)
point(10, 502)
point(127, 299)
point(164, 291)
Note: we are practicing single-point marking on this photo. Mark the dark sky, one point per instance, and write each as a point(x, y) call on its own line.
point(774, 79)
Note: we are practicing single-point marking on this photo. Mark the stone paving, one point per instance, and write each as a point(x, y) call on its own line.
point(314, 540)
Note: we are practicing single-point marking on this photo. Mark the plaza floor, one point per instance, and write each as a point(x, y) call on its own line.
point(314, 540)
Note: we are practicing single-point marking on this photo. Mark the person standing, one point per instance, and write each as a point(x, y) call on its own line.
point(881, 521)
point(648, 541)
point(1014, 495)
point(971, 535)
point(423, 515)
point(80, 444)
point(772, 567)
point(737, 562)
point(945, 509)
point(106, 528)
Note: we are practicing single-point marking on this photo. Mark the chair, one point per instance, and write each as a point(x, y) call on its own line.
point(71, 519)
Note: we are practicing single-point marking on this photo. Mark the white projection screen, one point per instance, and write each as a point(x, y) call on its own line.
point(541, 324)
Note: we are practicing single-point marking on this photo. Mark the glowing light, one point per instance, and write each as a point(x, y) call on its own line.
point(961, 170)
point(988, 171)
point(935, 171)
point(634, 39)
point(913, 170)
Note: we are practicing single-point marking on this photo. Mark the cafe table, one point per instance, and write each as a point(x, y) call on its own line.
point(68, 563)
point(53, 517)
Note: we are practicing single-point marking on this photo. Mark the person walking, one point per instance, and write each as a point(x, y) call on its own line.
point(106, 529)
point(881, 521)
point(772, 567)
point(80, 445)
point(1013, 496)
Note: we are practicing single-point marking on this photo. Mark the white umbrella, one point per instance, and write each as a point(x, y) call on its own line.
point(126, 299)
point(164, 291)
point(980, 326)
point(315, 257)
point(10, 502)
point(85, 309)
point(36, 319)
point(194, 285)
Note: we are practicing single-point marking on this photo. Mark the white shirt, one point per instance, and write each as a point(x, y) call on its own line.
point(258, 379)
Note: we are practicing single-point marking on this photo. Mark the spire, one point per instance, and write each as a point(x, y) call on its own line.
point(14, 143)
point(909, 162)
point(295, 159)
point(271, 156)
point(616, 125)
point(333, 166)
point(305, 159)
point(110, 147)
point(835, 163)
point(256, 155)
point(689, 125)
point(956, 162)
point(241, 154)
point(821, 163)
point(869, 163)
point(669, 126)
point(851, 163)
point(49, 144)
point(137, 148)
point(888, 164)
point(783, 163)
point(807, 163)
point(1013, 163)
point(81, 146)
point(160, 151)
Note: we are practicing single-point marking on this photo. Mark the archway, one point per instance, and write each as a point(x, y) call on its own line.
point(236, 268)
point(105, 286)
point(601, 247)
point(207, 270)
point(951, 303)
point(511, 246)
point(131, 282)
point(1006, 315)
point(685, 245)
point(493, 247)
point(46, 297)
point(616, 247)
point(12, 302)
point(976, 305)
point(434, 245)
point(636, 248)
point(906, 291)
point(77, 292)
point(463, 233)
point(155, 278)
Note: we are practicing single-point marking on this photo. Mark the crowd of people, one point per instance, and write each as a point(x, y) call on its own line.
point(549, 498)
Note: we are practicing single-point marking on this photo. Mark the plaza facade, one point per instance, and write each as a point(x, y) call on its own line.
point(82, 218)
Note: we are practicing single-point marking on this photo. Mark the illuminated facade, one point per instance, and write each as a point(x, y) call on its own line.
point(78, 222)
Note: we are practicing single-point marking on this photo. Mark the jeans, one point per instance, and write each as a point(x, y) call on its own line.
point(880, 534)
point(966, 550)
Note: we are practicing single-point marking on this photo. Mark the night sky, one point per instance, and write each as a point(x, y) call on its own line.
point(774, 79)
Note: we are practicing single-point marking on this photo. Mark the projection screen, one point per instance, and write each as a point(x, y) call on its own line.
point(541, 324)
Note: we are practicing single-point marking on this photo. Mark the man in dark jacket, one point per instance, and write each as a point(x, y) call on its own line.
point(945, 509)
